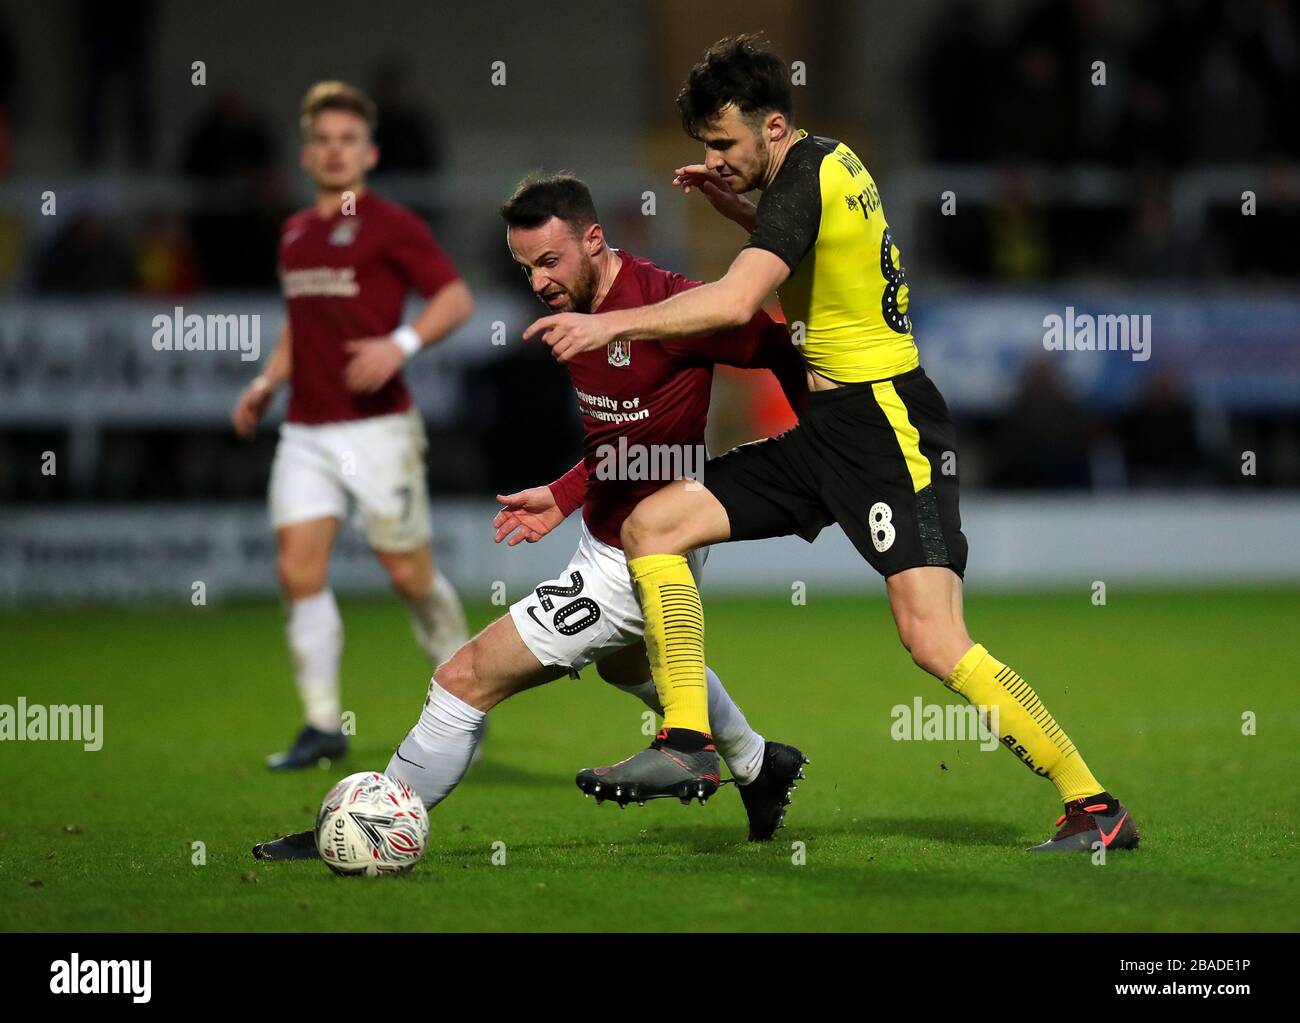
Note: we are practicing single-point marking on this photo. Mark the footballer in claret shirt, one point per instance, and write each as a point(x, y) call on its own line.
point(351, 437)
point(634, 400)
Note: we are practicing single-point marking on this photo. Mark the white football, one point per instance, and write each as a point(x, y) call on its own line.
point(371, 824)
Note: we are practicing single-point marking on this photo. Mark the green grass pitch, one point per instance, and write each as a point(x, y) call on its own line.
point(897, 835)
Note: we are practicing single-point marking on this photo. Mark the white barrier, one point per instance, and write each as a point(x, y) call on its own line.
point(56, 555)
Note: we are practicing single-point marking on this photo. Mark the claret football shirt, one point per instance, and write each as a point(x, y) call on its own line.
point(636, 396)
point(346, 277)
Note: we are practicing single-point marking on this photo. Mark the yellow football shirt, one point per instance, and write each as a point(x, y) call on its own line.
point(846, 298)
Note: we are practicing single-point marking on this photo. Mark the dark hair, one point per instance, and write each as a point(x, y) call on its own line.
point(740, 70)
point(336, 96)
point(540, 197)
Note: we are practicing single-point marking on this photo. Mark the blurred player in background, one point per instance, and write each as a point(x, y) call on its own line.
point(867, 454)
point(351, 433)
point(590, 612)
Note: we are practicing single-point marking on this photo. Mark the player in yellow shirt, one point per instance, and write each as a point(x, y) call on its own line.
point(868, 453)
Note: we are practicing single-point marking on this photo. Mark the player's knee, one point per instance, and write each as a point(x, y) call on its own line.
point(298, 577)
point(633, 534)
point(409, 578)
point(914, 636)
point(935, 646)
point(928, 657)
point(645, 532)
point(460, 677)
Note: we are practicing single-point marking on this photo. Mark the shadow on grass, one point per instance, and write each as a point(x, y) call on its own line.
point(726, 838)
point(494, 772)
point(949, 831)
point(960, 831)
point(375, 758)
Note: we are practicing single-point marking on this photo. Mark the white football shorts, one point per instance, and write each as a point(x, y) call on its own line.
point(376, 464)
point(590, 611)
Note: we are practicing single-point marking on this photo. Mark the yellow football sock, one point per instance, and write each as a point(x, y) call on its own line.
point(674, 638)
point(1024, 725)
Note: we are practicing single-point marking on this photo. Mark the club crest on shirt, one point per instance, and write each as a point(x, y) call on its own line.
point(345, 233)
point(619, 352)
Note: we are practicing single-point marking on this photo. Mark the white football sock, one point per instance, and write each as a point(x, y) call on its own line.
point(315, 634)
point(438, 621)
point(738, 744)
point(436, 753)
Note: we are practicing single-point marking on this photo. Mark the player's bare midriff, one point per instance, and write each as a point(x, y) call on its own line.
point(817, 382)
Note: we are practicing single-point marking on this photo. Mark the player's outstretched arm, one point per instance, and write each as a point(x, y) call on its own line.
point(728, 302)
point(531, 514)
point(252, 403)
point(527, 516)
point(375, 360)
point(732, 206)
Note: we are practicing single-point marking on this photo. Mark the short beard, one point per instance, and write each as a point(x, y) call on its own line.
point(583, 292)
point(763, 160)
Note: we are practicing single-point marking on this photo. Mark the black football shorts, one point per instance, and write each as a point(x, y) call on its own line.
point(879, 458)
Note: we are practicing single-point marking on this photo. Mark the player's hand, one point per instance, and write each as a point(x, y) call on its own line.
point(251, 406)
point(712, 187)
point(374, 362)
point(570, 334)
point(528, 515)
